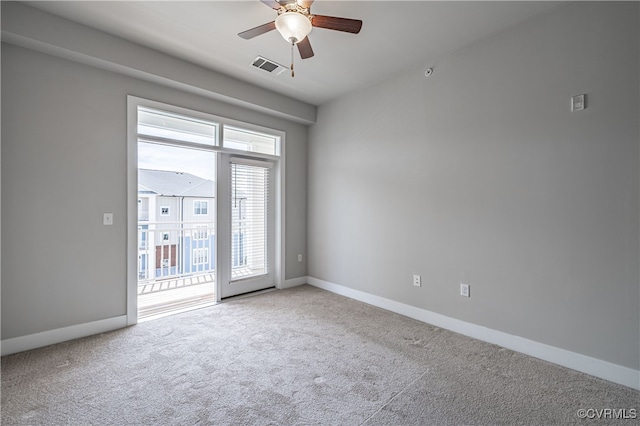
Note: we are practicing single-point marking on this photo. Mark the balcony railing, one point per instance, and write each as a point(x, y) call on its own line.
point(168, 250)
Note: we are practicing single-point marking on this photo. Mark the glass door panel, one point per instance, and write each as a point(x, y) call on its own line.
point(251, 223)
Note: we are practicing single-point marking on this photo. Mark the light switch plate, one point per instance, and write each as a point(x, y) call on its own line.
point(107, 219)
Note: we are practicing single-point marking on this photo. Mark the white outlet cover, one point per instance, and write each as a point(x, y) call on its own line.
point(464, 290)
point(578, 102)
point(417, 281)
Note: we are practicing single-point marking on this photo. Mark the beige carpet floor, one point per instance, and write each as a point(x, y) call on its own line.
point(301, 356)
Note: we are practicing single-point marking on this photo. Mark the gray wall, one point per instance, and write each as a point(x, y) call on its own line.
point(64, 159)
point(481, 174)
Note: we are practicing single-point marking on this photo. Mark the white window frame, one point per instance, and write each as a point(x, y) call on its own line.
point(249, 130)
point(189, 117)
point(133, 103)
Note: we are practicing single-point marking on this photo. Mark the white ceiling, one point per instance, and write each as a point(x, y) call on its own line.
point(395, 35)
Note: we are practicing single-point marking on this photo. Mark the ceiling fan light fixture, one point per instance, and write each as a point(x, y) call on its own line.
point(293, 26)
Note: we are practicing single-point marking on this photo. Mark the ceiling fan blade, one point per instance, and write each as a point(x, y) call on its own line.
point(273, 4)
point(304, 47)
point(339, 24)
point(261, 29)
point(305, 3)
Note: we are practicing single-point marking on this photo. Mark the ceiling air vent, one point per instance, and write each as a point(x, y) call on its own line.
point(268, 65)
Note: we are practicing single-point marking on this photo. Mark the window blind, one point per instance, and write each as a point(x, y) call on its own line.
point(249, 219)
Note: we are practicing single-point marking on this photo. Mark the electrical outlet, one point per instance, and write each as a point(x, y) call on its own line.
point(417, 281)
point(465, 290)
point(300, 258)
point(578, 102)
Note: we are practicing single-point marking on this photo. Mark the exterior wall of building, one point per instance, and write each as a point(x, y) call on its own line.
point(178, 237)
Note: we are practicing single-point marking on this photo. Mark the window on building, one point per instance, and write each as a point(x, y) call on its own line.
point(200, 256)
point(164, 211)
point(200, 207)
point(200, 232)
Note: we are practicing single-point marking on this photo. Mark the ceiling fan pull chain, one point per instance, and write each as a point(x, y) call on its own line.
point(292, 73)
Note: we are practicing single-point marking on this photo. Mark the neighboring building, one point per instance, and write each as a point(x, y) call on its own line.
point(176, 224)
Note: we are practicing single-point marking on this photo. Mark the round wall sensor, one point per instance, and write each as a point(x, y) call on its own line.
point(428, 72)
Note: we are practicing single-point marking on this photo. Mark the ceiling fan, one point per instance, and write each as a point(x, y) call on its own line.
point(295, 21)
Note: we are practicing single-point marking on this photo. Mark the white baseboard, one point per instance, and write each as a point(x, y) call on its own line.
point(46, 338)
point(293, 282)
point(595, 367)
